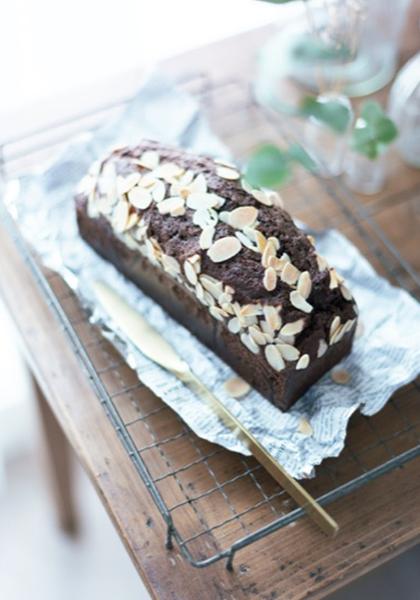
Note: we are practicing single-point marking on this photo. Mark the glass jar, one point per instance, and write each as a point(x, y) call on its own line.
point(404, 109)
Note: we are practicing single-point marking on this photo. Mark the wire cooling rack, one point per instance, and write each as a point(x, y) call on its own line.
point(216, 502)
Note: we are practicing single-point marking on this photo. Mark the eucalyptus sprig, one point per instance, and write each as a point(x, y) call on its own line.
point(270, 166)
point(373, 131)
point(329, 111)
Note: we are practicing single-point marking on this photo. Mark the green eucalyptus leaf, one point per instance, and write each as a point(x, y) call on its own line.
point(297, 154)
point(373, 131)
point(267, 167)
point(332, 113)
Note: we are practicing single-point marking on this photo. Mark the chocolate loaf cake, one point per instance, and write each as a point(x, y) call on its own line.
point(223, 259)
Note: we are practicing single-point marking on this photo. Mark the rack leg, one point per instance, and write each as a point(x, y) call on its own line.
point(229, 562)
point(58, 460)
point(169, 543)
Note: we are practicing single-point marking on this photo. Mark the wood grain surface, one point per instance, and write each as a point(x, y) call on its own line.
point(377, 522)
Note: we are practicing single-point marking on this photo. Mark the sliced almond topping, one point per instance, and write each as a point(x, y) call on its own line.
point(249, 343)
point(299, 302)
point(229, 290)
point(269, 251)
point(286, 339)
point(289, 274)
point(274, 358)
point(311, 239)
point(194, 259)
point(218, 313)
point(224, 249)
point(206, 237)
point(262, 197)
point(270, 279)
point(303, 362)
point(267, 329)
point(346, 293)
point(261, 240)
point(275, 241)
point(120, 216)
point(199, 185)
point(126, 183)
point(190, 273)
point(234, 325)
point(241, 217)
point(158, 191)
point(212, 285)
point(168, 171)
point(340, 375)
point(228, 173)
point(245, 241)
point(171, 264)
point(334, 282)
point(170, 205)
point(322, 348)
point(337, 335)
point(275, 198)
point(304, 284)
point(140, 198)
point(322, 262)
point(335, 324)
point(224, 298)
point(272, 317)
point(203, 200)
point(149, 159)
point(347, 326)
point(132, 220)
point(224, 163)
point(257, 335)
point(178, 212)
point(147, 181)
point(228, 307)
point(209, 300)
point(305, 427)
point(250, 310)
point(293, 328)
point(288, 351)
point(236, 387)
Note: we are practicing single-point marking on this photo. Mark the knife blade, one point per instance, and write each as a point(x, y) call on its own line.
point(156, 348)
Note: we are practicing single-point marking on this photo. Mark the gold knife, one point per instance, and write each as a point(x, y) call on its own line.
point(155, 347)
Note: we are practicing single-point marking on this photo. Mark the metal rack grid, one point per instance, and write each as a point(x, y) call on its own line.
point(215, 502)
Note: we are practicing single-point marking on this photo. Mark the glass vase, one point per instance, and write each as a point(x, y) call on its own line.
point(363, 175)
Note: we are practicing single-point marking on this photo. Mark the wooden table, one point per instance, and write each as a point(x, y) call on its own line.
point(377, 522)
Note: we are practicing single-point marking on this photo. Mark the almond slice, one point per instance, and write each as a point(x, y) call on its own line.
point(288, 351)
point(203, 200)
point(270, 279)
point(272, 317)
point(224, 249)
point(168, 171)
point(190, 273)
point(149, 159)
point(335, 324)
point(261, 240)
point(346, 293)
point(303, 362)
point(289, 274)
point(293, 328)
point(127, 182)
point(198, 185)
point(245, 241)
point(274, 358)
point(227, 173)
point(212, 285)
point(334, 281)
point(241, 217)
point(158, 191)
point(322, 262)
point(269, 251)
point(236, 387)
point(304, 284)
point(305, 427)
point(170, 204)
point(234, 325)
point(322, 348)
point(206, 237)
point(299, 302)
point(120, 216)
point(340, 375)
point(171, 264)
point(262, 197)
point(140, 198)
point(218, 313)
point(249, 343)
point(257, 335)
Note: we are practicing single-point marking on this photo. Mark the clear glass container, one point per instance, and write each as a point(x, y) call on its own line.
point(327, 147)
point(404, 109)
point(363, 175)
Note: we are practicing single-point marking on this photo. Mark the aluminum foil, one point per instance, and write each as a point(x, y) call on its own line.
point(384, 358)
